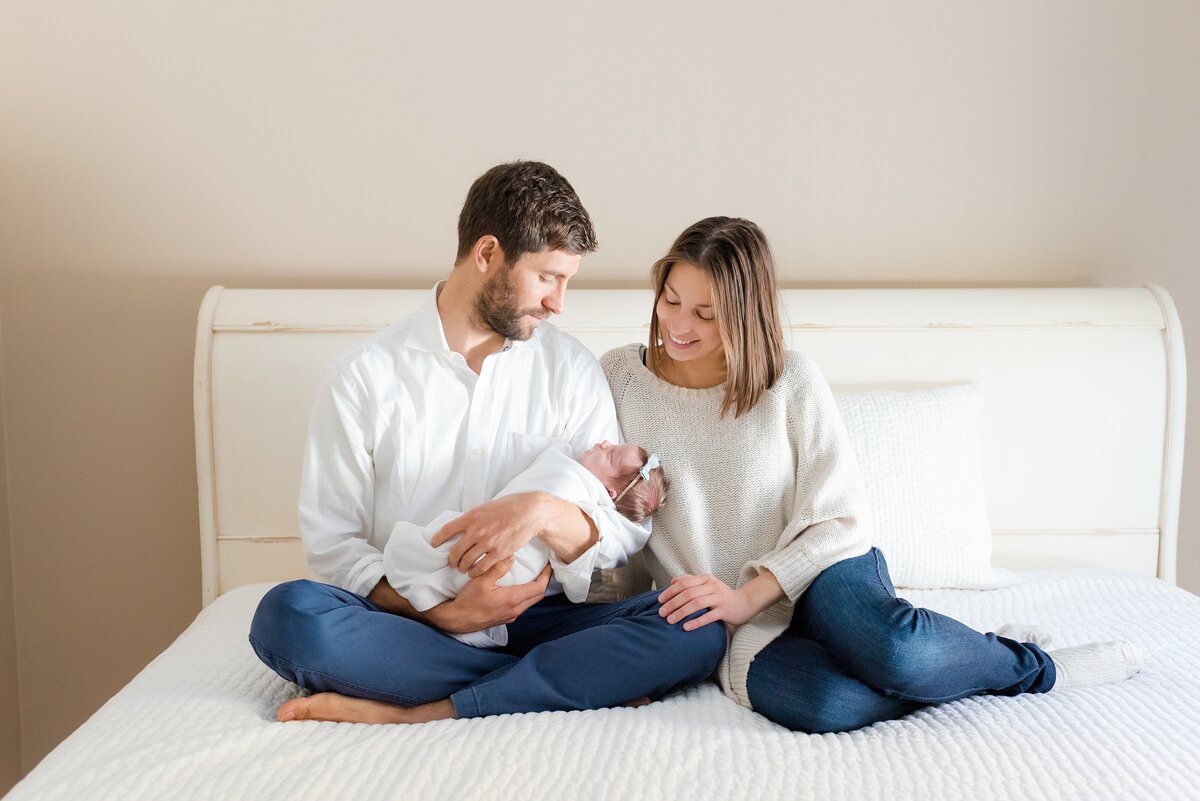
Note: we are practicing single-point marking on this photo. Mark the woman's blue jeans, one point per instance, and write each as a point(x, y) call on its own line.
point(856, 654)
point(560, 655)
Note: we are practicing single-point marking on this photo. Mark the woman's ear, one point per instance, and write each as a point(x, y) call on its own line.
point(612, 493)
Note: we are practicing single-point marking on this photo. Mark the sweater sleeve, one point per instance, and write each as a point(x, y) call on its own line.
point(831, 516)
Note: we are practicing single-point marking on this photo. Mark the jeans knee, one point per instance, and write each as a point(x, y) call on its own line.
point(796, 683)
point(903, 672)
point(702, 647)
point(820, 716)
point(817, 711)
point(281, 601)
point(286, 618)
point(712, 642)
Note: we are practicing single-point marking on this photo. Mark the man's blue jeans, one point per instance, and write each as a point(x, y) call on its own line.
point(560, 655)
point(855, 654)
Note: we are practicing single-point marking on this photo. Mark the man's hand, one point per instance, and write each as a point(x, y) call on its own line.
point(481, 604)
point(492, 532)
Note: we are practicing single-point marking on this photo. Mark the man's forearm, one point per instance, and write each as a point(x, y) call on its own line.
point(445, 616)
point(566, 529)
point(385, 596)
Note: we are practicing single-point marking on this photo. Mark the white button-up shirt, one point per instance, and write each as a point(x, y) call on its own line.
point(403, 430)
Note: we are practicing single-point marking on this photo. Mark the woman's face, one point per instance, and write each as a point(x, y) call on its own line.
point(686, 317)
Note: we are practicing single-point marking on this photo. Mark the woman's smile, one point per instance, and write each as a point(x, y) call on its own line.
point(688, 328)
point(681, 343)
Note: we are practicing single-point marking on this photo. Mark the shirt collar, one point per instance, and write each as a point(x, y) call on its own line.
point(427, 333)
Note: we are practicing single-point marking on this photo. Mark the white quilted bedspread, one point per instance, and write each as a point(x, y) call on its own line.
point(198, 723)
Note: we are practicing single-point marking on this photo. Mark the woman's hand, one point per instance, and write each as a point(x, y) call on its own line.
point(688, 594)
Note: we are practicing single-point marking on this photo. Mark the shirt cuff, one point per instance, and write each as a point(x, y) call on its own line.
point(576, 577)
point(365, 575)
point(424, 597)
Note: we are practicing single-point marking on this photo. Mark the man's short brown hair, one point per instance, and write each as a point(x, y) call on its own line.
point(529, 207)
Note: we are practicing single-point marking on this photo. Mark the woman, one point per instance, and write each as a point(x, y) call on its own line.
point(765, 528)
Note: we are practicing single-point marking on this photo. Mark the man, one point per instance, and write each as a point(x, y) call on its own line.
point(432, 414)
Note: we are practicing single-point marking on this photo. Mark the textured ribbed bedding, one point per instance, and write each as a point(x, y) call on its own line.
point(198, 723)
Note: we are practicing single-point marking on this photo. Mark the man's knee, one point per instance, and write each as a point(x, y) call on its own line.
point(712, 641)
point(288, 618)
point(285, 601)
point(703, 647)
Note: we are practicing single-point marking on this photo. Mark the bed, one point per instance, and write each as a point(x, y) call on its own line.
point(1081, 438)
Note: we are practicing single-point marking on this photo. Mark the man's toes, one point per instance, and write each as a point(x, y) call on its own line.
point(295, 709)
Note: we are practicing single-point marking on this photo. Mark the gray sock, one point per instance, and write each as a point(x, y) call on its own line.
point(1096, 663)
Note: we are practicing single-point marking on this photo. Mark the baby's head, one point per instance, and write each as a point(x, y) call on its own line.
point(618, 465)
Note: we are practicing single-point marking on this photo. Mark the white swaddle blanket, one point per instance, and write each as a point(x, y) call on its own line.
point(420, 572)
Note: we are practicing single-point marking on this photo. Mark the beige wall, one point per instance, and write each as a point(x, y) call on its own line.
point(149, 150)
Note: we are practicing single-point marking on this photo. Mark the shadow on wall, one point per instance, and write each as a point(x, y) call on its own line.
point(102, 480)
point(102, 490)
point(10, 723)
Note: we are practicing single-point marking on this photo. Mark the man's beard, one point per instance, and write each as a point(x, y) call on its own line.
point(496, 307)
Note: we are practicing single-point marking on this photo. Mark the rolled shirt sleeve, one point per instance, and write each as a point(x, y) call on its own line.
point(337, 486)
point(619, 539)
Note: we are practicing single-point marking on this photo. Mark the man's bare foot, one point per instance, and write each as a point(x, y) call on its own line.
point(636, 702)
point(345, 709)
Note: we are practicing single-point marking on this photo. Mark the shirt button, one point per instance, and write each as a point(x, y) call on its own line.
point(477, 451)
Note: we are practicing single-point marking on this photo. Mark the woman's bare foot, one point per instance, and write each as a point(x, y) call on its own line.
point(345, 709)
point(636, 702)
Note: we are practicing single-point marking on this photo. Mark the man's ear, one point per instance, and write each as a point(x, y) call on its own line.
point(612, 493)
point(487, 254)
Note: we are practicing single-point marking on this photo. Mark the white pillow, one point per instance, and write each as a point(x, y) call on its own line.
point(922, 461)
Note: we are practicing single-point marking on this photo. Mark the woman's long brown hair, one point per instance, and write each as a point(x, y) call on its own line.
point(735, 255)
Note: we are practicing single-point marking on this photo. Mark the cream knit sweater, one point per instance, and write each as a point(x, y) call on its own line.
point(777, 488)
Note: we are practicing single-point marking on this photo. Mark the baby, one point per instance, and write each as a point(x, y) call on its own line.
point(624, 476)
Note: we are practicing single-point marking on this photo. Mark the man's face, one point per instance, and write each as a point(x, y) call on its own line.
point(519, 296)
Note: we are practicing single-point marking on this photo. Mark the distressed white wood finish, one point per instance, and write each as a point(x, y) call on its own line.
point(1082, 424)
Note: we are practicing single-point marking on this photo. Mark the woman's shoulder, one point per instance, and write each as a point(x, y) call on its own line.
point(619, 366)
point(799, 368)
point(801, 381)
point(621, 360)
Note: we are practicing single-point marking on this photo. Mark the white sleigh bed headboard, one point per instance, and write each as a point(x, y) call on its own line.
point(1082, 424)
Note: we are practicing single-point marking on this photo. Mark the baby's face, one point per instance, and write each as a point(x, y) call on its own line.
point(607, 461)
